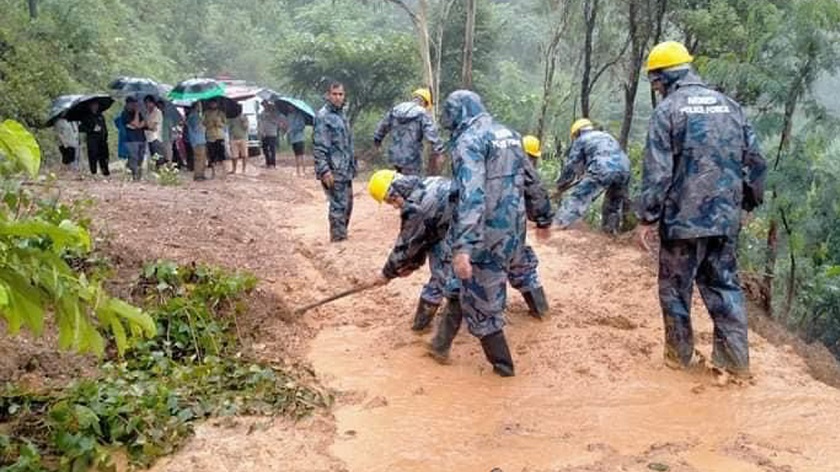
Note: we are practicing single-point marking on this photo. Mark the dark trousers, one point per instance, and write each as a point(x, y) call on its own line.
point(269, 148)
point(97, 150)
point(711, 263)
point(340, 197)
point(68, 154)
point(215, 151)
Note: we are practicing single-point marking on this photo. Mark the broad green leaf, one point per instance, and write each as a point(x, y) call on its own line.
point(4, 296)
point(19, 146)
point(132, 314)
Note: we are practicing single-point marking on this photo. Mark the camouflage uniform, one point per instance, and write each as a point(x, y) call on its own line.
point(604, 166)
point(409, 124)
point(702, 166)
point(425, 220)
point(333, 153)
point(494, 180)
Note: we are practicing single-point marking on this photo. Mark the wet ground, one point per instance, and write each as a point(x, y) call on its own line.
point(591, 392)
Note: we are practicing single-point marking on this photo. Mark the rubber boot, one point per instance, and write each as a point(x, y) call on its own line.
point(537, 304)
point(424, 316)
point(679, 342)
point(450, 323)
point(497, 353)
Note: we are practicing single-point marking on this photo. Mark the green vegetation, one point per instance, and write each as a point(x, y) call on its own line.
point(146, 402)
point(40, 240)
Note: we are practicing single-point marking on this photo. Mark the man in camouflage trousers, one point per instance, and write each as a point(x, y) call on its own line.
point(598, 157)
point(425, 211)
point(426, 207)
point(493, 180)
point(410, 123)
point(702, 167)
point(335, 162)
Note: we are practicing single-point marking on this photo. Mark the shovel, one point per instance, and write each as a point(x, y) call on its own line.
point(335, 297)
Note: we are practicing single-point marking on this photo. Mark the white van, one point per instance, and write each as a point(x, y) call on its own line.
point(251, 109)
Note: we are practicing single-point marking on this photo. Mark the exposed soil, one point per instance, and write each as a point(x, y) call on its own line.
point(591, 391)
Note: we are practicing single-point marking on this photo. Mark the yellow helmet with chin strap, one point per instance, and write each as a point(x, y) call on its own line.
point(531, 145)
point(666, 55)
point(425, 94)
point(579, 125)
point(379, 184)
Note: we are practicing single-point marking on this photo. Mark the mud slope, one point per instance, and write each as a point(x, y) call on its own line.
point(591, 393)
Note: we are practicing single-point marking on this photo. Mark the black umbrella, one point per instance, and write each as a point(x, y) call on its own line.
point(81, 108)
point(136, 86)
point(231, 107)
point(59, 106)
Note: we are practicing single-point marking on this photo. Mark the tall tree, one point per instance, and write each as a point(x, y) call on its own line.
point(558, 12)
point(419, 15)
point(594, 40)
point(469, 44)
point(644, 20)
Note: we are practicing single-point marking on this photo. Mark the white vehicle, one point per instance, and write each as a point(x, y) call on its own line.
point(251, 109)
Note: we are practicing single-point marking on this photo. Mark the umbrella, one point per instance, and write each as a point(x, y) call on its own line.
point(189, 91)
point(272, 96)
point(80, 108)
point(59, 106)
point(135, 86)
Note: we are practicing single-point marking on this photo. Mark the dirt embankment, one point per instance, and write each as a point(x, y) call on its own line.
point(591, 393)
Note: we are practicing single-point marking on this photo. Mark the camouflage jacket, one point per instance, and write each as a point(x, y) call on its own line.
point(596, 153)
point(333, 144)
point(409, 124)
point(701, 158)
point(496, 184)
point(425, 220)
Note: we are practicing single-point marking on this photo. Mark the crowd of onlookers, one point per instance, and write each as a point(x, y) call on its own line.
point(195, 139)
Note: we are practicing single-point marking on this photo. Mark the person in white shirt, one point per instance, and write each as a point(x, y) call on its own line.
point(68, 141)
point(154, 120)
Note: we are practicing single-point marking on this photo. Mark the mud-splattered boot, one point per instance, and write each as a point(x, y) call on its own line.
point(496, 350)
point(450, 323)
point(537, 303)
point(424, 316)
point(679, 342)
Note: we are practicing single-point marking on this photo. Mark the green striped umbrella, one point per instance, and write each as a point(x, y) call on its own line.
point(196, 89)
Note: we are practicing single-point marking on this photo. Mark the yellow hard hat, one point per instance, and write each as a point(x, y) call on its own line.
point(425, 94)
point(668, 54)
point(379, 184)
point(578, 125)
point(531, 145)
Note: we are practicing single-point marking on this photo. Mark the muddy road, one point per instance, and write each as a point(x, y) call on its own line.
point(591, 392)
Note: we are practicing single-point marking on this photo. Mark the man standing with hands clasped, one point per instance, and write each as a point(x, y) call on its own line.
point(702, 167)
point(335, 162)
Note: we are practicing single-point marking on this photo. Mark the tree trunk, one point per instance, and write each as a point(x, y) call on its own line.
point(445, 8)
point(33, 9)
point(590, 14)
point(469, 41)
point(422, 27)
point(657, 36)
point(772, 249)
point(638, 39)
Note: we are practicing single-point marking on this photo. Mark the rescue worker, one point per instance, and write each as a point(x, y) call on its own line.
point(532, 147)
point(702, 166)
point(426, 207)
point(335, 162)
point(410, 123)
point(523, 274)
point(494, 182)
point(597, 160)
point(425, 211)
